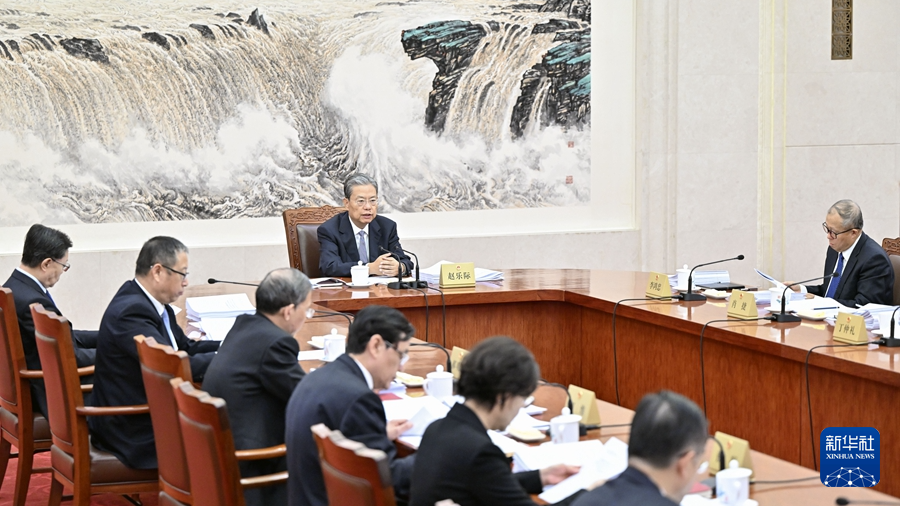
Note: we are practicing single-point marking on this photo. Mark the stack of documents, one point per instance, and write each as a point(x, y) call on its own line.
point(764, 298)
point(433, 274)
point(869, 312)
point(703, 278)
point(218, 306)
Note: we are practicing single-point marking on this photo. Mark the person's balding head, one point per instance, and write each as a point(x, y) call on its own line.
point(284, 296)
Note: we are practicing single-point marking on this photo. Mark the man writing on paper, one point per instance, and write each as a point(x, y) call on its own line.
point(667, 453)
point(457, 459)
point(863, 271)
point(45, 257)
point(256, 371)
point(360, 234)
point(140, 307)
point(342, 396)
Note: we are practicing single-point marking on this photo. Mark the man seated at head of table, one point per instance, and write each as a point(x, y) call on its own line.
point(862, 269)
point(140, 307)
point(667, 453)
point(342, 396)
point(359, 234)
point(457, 459)
point(45, 257)
point(256, 371)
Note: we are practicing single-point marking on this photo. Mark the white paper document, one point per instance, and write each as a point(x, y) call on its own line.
point(311, 355)
point(216, 328)
point(597, 464)
point(433, 273)
point(218, 306)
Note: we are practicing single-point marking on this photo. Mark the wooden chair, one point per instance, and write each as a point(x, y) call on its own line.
point(892, 247)
point(75, 462)
point(552, 397)
point(159, 365)
point(301, 230)
point(19, 424)
point(209, 447)
point(353, 473)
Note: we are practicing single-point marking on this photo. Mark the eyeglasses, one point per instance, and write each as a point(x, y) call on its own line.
point(184, 275)
point(528, 401)
point(703, 467)
point(363, 202)
point(310, 312)
point(832, 233)
point(65, 266)
point(404, 356)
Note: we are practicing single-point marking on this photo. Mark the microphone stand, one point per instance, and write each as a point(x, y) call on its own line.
point(784, 317)
point(891, 342)
point(213, 281)
point(416, 283)
point(688, 296)
point(399, 284)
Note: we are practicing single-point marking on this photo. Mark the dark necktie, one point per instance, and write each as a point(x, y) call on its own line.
point(835, 280)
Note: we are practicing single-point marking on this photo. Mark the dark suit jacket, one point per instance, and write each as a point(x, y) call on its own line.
point(338, 246)
point(631, 488)
point(25, 293)
point(338, 396)
point(457, 460)
point(117, 373)
point(256, 371)
point(867, 277)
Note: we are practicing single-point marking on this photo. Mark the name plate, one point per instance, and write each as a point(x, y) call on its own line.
point(658, 286)
point(457, 275)
point(742, 305)
point(850, 328)
point(735, 449)
point(456, 356)
point(584, 403)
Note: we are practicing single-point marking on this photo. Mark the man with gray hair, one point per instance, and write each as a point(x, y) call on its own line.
point(256, 371)
point(140, 307)
point(862, 270)
point(360, 235)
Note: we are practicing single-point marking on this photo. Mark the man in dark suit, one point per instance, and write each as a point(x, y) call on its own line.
point(256, 371)
point(360, 234)
point(667, 450)
point(457, 459)
point(342, 396)
point(863, 271)
point(45, 256)
point(140, 307)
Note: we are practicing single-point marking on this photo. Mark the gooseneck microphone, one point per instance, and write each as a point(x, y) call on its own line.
point(399, 284)
point(784, 317)
point(843, 501)
point(416, 283)
point(891, 342)
point(213, 281)
point(688, 296)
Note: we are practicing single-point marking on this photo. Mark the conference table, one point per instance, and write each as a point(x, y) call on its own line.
point(753, 372)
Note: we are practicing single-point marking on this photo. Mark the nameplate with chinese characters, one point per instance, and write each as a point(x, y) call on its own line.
point(658, 286)
point(458, 275)
point(735, 449)
point(742, 305)
point(456, 357)
point(584, 403)
point(850, 328)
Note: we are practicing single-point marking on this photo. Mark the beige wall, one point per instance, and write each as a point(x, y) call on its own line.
point(745, 131)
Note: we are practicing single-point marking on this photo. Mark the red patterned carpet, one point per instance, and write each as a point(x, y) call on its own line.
point(39, 491)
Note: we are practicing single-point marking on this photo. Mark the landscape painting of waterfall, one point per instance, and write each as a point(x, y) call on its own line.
point(126, 111)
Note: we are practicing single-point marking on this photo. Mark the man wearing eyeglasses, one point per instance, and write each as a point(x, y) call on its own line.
point(862, 270)
point(256, 371)
point(360, 235)
point(45, 257)
point(342, 395)
point(141, 307)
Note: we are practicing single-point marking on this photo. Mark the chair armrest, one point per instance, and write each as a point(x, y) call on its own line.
point(139, 409)
point(85, 371)
point(31, 373)
point(261, 453)
point(87, 388)
point(264, 480)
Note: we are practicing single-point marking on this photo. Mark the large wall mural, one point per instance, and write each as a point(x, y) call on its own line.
point(117, 111)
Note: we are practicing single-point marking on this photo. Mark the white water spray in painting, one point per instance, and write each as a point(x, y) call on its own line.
point(249, 124)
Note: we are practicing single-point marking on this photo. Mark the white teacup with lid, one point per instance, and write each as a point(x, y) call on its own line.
point(439, 383)
point(359, 274)
point(334, 345)
point(564, 428)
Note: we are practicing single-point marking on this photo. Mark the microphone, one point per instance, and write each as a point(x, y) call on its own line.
point(784, 317)
point(213, 281)
point(891, 342)
point(416, 283)
point(843, 501)
point(399, 284)
point(688, 296)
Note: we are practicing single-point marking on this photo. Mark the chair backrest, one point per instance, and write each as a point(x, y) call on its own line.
point(353, 473)
point(209, 446)
point(159, 364)
point(891, 246)
point(53, 335)
point(551, 397)
point(301, 230)
point(12, 356)
point(895, 263)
